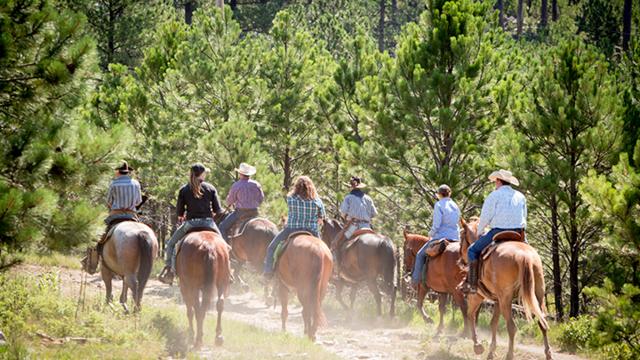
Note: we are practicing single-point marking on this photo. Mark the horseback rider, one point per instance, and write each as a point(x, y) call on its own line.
point(245, 196)
point(197, 202)
point(123, 197)
point(305, 213)
point(505, 209)
point(357, 209)
point(446, 216)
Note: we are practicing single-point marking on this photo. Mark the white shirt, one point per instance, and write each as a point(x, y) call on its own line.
point(504, 208)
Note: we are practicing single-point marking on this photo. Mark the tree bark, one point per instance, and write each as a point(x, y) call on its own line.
point(554, 10)
point(189, 6)
point(543, 13)
point(286, 167)
point(626, 24)
point(520, 19)
point(500, 7)
point(383, 4)
point(234, 5)
point(574, 241)
point(555, 256)
point(111, 35)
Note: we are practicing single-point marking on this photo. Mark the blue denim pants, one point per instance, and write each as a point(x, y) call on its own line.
point(421, 258)
point(170, 251)
point(226, 224)
point(282, 235)
point(485, 240)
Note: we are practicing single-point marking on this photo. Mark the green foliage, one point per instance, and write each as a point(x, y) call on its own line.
point(601, 21)
point(577, 334)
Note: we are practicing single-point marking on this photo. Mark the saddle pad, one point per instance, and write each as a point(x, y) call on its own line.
point(508, 236)
point(361, 232)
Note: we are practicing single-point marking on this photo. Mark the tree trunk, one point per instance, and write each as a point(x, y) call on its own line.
point(626, 24)
point(543, 13)
point(520, 19)
point(383, 4)
point(500, 7)
point(286, 167)
point(574, 241)
point(111, 46)
point(555, 255)
point(234, 5)
point(189, 6)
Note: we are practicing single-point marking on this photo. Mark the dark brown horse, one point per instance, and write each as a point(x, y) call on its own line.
point(443, 276)
point(305, 266)
point(202, 264)
point(369, 257)
point(128, 252)
point(512, 267)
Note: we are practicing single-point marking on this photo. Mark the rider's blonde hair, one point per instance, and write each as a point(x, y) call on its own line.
point(304, 188)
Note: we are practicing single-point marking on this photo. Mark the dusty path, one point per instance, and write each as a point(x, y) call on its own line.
point(356, 338)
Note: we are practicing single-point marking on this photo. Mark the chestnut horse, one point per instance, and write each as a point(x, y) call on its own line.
point(128, 252)
point(305, 266)
point(371, 256)
point(202, 264)
point(512, 267)
point(443, 276)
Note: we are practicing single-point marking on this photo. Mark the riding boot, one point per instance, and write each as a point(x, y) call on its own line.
point(471, 285)
point(166, 275)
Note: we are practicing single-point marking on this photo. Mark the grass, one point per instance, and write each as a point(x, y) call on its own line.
point(29, 305)
point(53, 259)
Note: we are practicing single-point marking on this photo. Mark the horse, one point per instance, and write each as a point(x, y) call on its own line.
point(305, 266)
point(128, 252)
point(370, 256)
point(202, 265)
point(251, 244)
point(512, 267)
point(443, 276)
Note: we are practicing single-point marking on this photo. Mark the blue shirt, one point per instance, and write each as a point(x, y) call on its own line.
point(124, 194)
point(446, 217)
point(304, 214)
point(504, 208)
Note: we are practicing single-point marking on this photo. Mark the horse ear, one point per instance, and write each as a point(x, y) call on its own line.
point(462, 222)
point(405, 231)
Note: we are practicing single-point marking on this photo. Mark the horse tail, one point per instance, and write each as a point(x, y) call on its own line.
point(209, 273)
point(388, 258)
point(528, 290)
point(146, 260)
point(318, 290)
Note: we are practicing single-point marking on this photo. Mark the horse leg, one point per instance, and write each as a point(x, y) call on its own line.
point(352, 295)
point(373, 287)
point(494, 329)
point(458, 299)
point(132, 283)
point(190, 298)
point(123, 295)
point(505, 307)
point(283, 293)
point(422, 293)
point(107, 277)
point(547, 348)
point(339, 288)
point(219, 309)
point(473, 305)
point(442, 307)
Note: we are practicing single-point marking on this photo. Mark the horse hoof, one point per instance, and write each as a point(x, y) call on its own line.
point(478, 349)
point(219, 340)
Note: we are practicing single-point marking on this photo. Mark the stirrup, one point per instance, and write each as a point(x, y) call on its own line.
point(467, 288)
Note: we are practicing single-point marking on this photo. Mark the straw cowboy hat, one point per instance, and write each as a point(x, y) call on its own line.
point(124, 168)
point(357, 181)
point(505, 175)
point(246, 169)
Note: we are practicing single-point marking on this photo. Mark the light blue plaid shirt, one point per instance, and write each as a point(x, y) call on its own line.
point(304, 214)
point(446, 216)
point(504, 208)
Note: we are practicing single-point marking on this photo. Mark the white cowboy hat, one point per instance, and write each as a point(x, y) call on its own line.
point(246, 169)
point(505, 175)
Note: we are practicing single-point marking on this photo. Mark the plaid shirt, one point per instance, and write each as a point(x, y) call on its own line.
point(124, 193)
point(304, 214)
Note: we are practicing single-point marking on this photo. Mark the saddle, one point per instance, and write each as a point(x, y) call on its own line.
point(499, 238)
point(240, 226)
point(437, 247)
point(354, 238)
point(280, 249)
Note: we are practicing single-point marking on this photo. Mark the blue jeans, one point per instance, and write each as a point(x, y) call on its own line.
point(170, 251)
point(485, 240)
point(226, 224)
point(282, 235)
point(421, 258)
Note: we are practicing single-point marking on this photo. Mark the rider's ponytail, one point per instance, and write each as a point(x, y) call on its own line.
point(195, 184)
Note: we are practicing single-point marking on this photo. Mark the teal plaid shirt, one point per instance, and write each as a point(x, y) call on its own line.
point(304, 214)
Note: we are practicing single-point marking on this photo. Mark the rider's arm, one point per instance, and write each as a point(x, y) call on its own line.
point(137, 193)
point(181, 205)
point(487, 213)
point(437, 219)
point(344, 207)
point(372, 210)
point(110, 196)
point(232, 195)
point(260, 194)
point(215, 203)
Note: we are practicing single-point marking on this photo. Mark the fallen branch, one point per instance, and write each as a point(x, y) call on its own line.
point(49, 340)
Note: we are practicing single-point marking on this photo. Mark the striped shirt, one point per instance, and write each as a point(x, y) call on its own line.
point(245, 194)
point(446, 216)
point(304, 214)
point(358, 205)
point(504, 208)
point(124, 193)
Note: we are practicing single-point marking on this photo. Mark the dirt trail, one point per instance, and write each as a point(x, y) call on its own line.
point(359, 338)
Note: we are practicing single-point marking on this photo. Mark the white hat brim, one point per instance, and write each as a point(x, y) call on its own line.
point(510, 179)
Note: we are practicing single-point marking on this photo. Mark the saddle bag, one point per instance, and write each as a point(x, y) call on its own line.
point(437, 247)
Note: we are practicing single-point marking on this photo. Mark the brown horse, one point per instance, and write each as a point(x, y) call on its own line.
point(128, 252)
point(370, 256)
point(305, 266)
point(202, 264)
point(443, 276)
point(512, 267)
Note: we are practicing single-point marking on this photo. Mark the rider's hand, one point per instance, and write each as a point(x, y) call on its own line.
point(180, 219)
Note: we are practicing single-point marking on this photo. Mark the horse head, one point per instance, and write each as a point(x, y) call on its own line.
point(411, 246)
point(90, 260)
point(330, 229)
point(469, 235)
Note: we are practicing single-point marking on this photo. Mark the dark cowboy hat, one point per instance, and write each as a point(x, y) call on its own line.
point(356, 182)
point(124, 168)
